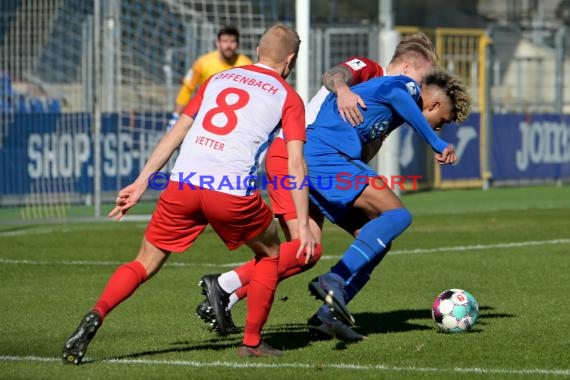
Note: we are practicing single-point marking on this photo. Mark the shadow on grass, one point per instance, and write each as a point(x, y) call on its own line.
point(295, 335)
point(391, 321)
point(284, 336)
point(486, 313)
point(399, 320)
point(214, 344)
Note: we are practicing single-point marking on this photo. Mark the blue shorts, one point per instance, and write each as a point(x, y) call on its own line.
point(337, 180)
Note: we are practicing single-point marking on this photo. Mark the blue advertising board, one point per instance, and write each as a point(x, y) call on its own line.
point(413, 158)
point(530, 147)
point(55, 151)
point(466, 139)
point(523, 147)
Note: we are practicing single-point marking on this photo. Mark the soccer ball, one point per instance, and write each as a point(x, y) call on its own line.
point(455, 310)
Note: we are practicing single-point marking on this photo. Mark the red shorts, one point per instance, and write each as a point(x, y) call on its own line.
point(181, 215)
point(276, 165)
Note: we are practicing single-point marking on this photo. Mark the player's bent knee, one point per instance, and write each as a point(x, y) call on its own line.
point(290, 265)
point(266, 243)
point(374, 201)
point(151, 257)
point(317, 253)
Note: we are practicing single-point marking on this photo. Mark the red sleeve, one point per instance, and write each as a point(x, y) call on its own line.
point(194, 104)
point(293, 117)
point(362, 69)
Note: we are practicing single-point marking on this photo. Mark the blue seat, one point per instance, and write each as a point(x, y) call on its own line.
point(37, 105)
point(22, 104)
point(6, 89)
point(53, 105)
point(5, 105)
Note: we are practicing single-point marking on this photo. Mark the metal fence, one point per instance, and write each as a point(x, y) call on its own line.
point(529, 77)
point(67, 66)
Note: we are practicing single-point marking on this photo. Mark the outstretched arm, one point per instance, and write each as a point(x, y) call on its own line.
point(406, 107)
point(130, 195)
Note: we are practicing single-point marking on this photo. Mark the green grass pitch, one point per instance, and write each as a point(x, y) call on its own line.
point(509, 247)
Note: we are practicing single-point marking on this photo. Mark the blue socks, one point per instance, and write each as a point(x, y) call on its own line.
point(372, 242)
point(353, 285)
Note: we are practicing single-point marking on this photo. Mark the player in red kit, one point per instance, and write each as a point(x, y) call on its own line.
point(338, 80)
point(222, 135)
point(235, 283)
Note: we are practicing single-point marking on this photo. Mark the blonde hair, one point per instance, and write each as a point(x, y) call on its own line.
point(414, 46)
point(455, 91)
point(278, 41)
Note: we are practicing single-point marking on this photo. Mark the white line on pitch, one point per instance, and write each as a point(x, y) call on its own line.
point(461, 248)
point(477, 247)
point(106, 263)
point(362, 367)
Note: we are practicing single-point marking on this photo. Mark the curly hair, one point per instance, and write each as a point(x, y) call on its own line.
point(455, 91)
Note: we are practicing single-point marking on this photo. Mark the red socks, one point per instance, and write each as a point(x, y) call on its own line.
point(260, 298)
point(288, 265)
point(120, 286)
point(245, 271)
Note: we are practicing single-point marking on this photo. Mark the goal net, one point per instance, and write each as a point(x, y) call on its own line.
point(55, 59)
point(45, 100)
point(47, 65)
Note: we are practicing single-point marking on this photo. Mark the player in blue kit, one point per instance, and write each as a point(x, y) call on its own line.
point(371, 211)
point(443, 99)
point(415, 58)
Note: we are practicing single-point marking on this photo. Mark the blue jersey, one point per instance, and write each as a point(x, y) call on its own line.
point(390, 101)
